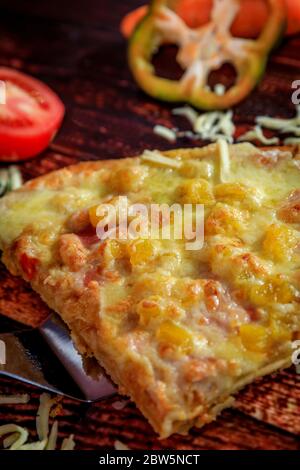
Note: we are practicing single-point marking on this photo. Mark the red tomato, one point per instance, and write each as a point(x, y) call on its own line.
point(30, 117)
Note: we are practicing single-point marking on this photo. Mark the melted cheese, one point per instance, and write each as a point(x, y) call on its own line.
point(45, 208)
point(224, 161)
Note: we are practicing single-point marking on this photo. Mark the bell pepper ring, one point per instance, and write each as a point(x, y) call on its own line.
point(248, 23)
point(201, 51)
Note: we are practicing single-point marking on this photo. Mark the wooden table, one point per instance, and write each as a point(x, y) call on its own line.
point(76, 48)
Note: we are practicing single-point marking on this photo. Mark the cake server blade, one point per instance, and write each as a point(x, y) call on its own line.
point(42, 356)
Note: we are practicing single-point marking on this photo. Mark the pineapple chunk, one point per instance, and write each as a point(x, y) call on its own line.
point(279, 242)
point(231, 191)
point(104, 216)
point(255, 338)
point(274, 289)
point(175, 336)
point(279, 332)
point(94, 218)
point(117, 249)
point(196, 191)
point(127, 179)
point(140, 251)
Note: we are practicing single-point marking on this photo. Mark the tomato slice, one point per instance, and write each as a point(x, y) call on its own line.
point(30, 117)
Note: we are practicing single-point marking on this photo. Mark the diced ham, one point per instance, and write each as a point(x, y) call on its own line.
point(88, 236)
point(221, 308)
point(79, 221)
point(72, 251)
point(290, 211)
point(196, 370)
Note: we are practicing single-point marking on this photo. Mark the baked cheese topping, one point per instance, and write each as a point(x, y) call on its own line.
point(196, 321)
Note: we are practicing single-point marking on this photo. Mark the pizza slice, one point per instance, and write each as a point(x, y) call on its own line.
point(178, 330)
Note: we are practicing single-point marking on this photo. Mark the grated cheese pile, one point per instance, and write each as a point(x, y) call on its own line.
point(283, 126)
point(217, 125)
point(211, 126)
point(17, 436)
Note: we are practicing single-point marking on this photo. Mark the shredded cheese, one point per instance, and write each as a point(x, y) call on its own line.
point(14, 399)
point(68, 443)
point(10, 440)
point(165, 132)
point(284, 126)
point(15, 178)
point(207, 126)
point(17, 435)
point(226, 124)
point(118, 445)
point(51, 444)
point(186, 111)
point(205, 123)
point(39, 445)
point(14, 428)
point(224, 160)
point(42, 419)
point(278, 124)
point(10, 179)
point(292, 141)
point(274, 124)
point(292, 130)
point(154, 156)
point(220, 89)
point(215, 125)
point(257, 134)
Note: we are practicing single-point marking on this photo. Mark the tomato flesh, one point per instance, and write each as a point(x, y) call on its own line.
point(30, 117)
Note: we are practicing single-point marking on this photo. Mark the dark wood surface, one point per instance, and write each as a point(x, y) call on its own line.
point(76, 48)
